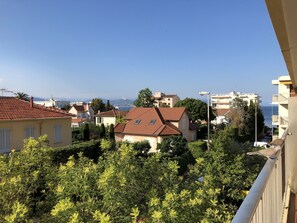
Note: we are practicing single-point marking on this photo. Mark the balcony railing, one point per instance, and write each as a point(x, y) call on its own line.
point(275, 119)
point(264, 202)
point(280, 98)
point(283, 121)
point(275, 98)
point(283, 98)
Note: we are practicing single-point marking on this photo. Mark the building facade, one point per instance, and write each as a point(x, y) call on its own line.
point(285, 91)
point(224, 101)
point(83, 113)
point(155, 124)
point(162, 100)
point(20, 120)
point(109, 117)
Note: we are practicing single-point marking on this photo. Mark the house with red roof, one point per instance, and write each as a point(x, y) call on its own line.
point(109, 117)
point(155, 124)
point(83, 113)
point(21, 119)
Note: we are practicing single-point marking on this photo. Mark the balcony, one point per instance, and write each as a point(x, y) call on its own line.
point(283, 121)
point(264, 202)
point(272, 198)
point(274, 119)
point(283, 98)
point(275, 99)
point(280, 99)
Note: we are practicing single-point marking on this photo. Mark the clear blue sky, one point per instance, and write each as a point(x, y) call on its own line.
point(114, 48)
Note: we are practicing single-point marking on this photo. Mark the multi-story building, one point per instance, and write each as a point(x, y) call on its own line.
point(162, 100)
point(221, 104)
point(285, 91)
point(224, 101)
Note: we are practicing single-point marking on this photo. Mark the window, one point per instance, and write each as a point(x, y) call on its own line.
point(99, 120)
point(58, 136)
point(29, 132)
point(137, 122)
point(4, 140)
point(153, 121)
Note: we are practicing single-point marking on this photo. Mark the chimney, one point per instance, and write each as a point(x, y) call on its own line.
point(31, 102)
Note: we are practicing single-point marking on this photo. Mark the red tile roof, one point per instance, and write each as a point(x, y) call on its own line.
point(79, 108)
point(168, 114)
point(222, 112)
point(15, 109)
point(78, 120)
point(112, 113)
point(149, 121)
point(173, 114)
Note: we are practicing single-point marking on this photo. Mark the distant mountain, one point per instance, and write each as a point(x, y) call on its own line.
point(122, 102)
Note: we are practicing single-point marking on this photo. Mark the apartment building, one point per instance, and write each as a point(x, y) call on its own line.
point(221, 104)
point(285, 91)
point(224, 101)
point(162, 100)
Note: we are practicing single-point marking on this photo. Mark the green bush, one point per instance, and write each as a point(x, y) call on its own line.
point(90, 149)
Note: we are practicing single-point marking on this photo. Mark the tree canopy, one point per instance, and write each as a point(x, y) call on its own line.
point(242, 118)
point(196, 108)
point(22, 96)
point(98, 105)
point(122, 186)
point(145, 98)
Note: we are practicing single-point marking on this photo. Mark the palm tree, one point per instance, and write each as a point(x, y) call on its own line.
point(22, 96)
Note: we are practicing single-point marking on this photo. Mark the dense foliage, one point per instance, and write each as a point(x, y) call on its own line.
point(196, 108)
point(145, 98)
point(42, 184)
point(90, 131)
point(242, 119)
point(99, 106)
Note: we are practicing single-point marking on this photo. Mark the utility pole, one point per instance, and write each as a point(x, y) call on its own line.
point(256, 114)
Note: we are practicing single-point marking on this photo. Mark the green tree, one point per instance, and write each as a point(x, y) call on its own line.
point(145, 98)
point(111, 132)
point(75, 193)
point(86, 132)
point(249, 121)
point(22, 96)
point(242, 119)
point(196, 108)
point(98, 105)
point(102, 132)
point(23, 184)
point(226, 168)
point(66, 107)
point(173, 145)
point(108, 106)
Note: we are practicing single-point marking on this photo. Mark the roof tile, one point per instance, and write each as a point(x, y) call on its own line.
point(15, 109)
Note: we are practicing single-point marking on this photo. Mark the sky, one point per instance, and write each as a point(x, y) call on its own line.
point(114, 48)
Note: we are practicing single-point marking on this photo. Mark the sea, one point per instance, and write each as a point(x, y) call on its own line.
point(268, 111)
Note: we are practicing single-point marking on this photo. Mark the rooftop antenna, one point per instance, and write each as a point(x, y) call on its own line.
point(5, 90)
